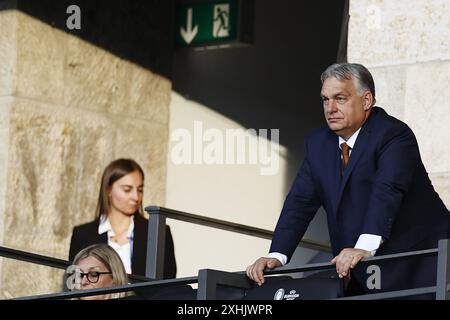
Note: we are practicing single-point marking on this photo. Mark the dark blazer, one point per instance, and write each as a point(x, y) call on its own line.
point(384, 190)
point(87, 234)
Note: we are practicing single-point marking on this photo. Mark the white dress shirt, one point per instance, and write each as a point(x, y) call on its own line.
point(368, 242)
point(125, 250)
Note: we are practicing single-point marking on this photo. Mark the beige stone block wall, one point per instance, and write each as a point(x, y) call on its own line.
point(427, 111)
point(406, 45)
point(390, 89)
point(8, 25)
point(72, 109)
point(5, 103)
point(8, 21)
point(4, 145)
point(386, 32)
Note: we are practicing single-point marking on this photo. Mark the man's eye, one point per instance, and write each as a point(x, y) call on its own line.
point(341, 99)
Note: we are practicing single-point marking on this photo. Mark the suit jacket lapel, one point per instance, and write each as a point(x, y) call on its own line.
point(99, 238)
point(333, 167)
point(358, 150)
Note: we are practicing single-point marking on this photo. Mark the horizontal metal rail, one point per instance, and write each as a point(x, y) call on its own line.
point(326, 265)
point(116, 289)
point(50, 261)
point(240, 277)
point(33, 258)
point(392, 294)
point(230, 226)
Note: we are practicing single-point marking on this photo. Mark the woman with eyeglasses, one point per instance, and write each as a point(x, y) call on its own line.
point(97, 266)
point(120, 220)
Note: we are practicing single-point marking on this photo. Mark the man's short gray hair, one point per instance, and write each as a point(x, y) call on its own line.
point(351, 71)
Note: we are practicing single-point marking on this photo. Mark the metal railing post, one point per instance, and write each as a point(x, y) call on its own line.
point(443, 270)
point(156, 238)
point(206, 289)
point(208, 279)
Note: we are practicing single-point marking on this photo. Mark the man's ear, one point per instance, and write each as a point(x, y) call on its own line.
point(367, 100)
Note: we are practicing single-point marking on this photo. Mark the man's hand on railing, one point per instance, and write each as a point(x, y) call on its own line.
point(348, 258)
point(256, 270)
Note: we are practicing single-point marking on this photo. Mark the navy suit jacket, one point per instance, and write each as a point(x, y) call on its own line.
point(384, 190)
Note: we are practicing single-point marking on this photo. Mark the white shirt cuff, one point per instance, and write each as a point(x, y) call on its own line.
point(279, 256)
point(369, 242)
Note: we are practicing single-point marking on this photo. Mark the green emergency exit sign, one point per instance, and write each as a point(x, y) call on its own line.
point(206, 23)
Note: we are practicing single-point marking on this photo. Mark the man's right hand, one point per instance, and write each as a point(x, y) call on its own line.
point(255, 271)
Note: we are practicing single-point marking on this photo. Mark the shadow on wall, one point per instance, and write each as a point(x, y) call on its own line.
point(274, 83)
point(132, 30)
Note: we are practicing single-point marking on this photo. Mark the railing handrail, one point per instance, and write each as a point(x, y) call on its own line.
point(327, 265)
point(208, 279)
point(33, 258)
point(229, 226)
point(115, 289)
point(49, 261)
point(281, 270)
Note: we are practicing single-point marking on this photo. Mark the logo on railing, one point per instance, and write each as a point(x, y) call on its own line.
point(280, 295)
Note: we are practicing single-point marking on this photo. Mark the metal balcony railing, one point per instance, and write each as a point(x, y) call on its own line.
point(209, 280)
point(156, 235)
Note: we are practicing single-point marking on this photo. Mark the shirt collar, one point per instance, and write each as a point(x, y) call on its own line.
point(351, 141)
point(105, 226)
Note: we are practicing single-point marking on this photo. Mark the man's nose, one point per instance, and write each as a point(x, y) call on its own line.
point(332, 106)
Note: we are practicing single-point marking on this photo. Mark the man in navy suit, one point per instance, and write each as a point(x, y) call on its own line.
point(364, 168)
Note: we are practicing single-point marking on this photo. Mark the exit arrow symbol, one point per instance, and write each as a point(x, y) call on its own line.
point(189, 34)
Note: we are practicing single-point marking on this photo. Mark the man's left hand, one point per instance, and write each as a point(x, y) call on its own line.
point(348, 258)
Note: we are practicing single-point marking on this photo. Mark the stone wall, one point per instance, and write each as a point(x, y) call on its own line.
point(406, 45)
point(67, 108)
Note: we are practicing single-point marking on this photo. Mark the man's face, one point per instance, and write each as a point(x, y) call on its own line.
point(344, 107)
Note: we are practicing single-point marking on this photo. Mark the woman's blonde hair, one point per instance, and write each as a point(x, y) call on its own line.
point(110, 259)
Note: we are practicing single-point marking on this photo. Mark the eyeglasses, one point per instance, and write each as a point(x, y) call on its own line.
point(92, 276)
